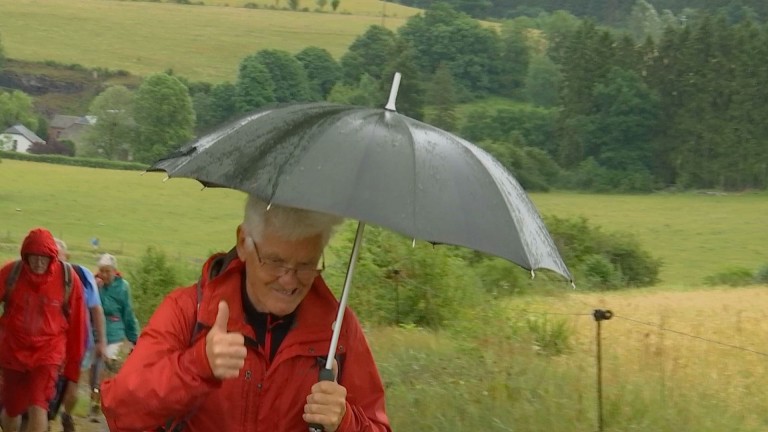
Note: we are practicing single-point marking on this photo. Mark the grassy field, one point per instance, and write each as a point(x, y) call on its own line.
point(695, 234)
point(490, 374)
point(201, 43)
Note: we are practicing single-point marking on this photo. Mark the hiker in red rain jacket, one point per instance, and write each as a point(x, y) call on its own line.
point(41, 330)
point(265, 322)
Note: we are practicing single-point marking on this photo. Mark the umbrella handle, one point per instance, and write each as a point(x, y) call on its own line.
point(325, 375)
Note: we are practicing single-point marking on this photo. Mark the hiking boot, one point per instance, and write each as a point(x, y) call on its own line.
point(67, 424)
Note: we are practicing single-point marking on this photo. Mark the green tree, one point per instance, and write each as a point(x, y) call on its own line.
point(471, 51)
point(16, 107)
point(113, 134)
point(216, 106)
point(368, 54)
point(543, 81)
point(254, 87)
point(321, 4)
point(288, 75)
point(644, 21)
point(514, 63)
point(323, 71)
point(364, 93)
point(335, 4)
point(441, 97)
point(294, 4)
point(164, 117)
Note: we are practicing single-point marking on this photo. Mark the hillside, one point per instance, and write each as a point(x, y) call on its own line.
point(60, 88)
point(203, 43)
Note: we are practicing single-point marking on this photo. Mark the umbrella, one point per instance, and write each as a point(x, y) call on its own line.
point(376, 166)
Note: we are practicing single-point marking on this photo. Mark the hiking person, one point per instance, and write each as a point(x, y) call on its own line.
point(96, 342)
point(121, 325)
point(42, 330)
point(241, 350)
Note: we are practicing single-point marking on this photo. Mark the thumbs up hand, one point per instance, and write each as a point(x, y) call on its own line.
point(225, 351)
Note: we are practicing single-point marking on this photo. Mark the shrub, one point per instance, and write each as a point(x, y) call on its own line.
point(395, 283)
point(153, 278)
point(589, 252)
point(734, 276)
point(550, 336)
point(75, 161)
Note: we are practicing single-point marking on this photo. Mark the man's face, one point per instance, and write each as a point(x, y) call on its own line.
point(38, 263)
point(107, 274)
point(279, 273)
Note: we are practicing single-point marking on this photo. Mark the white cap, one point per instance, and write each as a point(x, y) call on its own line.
point(107, 260)
point(60, 244)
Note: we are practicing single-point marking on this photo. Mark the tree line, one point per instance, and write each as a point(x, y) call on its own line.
point(562, 102)
point(612, 12)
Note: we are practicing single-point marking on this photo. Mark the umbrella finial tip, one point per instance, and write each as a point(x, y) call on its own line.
point(533, 274)
point(166, 179)
point(269, 206)
point(393, 92)
point(413, 243)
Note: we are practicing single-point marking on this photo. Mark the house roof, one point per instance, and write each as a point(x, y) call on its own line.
point(22, 130)
point(64, 121)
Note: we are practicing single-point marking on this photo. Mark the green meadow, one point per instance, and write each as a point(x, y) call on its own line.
point(695, 235)
point(526, 363)
point(203, 43)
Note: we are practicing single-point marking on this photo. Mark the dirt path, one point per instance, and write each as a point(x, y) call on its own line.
point(81, 425)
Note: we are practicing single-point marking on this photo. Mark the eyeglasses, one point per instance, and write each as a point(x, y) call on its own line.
point(278, 269)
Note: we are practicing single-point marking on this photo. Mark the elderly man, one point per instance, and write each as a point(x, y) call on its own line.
point(43, 327)
point(241, 350)
point(95, 349)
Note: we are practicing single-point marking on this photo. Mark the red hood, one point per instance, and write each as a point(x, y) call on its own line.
point(39, 241)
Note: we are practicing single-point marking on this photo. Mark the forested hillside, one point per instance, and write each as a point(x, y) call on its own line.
point(671, 102)
point(614, 12)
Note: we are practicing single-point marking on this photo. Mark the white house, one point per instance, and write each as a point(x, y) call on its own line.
point(19, 139)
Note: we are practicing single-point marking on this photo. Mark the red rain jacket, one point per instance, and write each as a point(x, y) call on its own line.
point(33, 328)
point(169, 378)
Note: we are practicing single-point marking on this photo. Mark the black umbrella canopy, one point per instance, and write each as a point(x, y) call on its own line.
point(376, 166)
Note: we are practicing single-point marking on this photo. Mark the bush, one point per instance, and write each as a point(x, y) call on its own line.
point(151, 280)
point(603, 260)
point(395, 283)
point(550, 337)
point(75, 161)
point(734, 276)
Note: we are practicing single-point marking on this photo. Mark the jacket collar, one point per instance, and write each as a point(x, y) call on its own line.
point(314, 316)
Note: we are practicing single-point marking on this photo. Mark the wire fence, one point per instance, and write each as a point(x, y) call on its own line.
point(600, 316)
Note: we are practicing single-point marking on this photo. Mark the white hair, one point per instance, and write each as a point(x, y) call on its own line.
point(61, 244)
point(107, 260)
point(287, 222)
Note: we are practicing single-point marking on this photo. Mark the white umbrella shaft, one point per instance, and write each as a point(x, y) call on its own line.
point(345, 295)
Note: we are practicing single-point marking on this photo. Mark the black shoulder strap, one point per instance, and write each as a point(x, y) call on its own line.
point(217, 266)
point(67, 269)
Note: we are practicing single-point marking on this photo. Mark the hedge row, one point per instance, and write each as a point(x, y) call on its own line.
point(74, 161)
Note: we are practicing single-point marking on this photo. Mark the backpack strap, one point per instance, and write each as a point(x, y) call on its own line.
point(10, 281)
point(67, 268)
point(10, 284)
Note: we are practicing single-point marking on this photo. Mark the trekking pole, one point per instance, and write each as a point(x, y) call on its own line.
point(600, 315)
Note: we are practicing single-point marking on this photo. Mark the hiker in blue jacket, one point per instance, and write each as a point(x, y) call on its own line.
point(96, 340)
